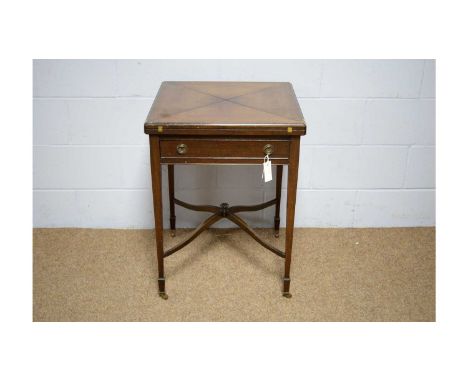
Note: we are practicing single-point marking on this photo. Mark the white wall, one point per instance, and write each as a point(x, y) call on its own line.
point(368, 159)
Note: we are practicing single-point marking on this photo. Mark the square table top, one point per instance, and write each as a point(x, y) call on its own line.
point(235, 106)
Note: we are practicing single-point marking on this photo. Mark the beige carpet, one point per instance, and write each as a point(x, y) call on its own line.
point(224, 275)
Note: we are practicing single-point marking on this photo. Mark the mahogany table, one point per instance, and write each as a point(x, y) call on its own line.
point(224, 123)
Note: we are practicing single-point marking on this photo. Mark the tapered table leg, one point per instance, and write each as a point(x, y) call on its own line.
point(172, 218)
point(293, 168)
point(279, 179)
point(158, 215)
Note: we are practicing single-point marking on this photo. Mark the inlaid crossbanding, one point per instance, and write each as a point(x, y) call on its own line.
point(225, 103)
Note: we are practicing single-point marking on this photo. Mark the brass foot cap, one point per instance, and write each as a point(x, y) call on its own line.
point(276, 234)
point(163, 295)
point(287, 294)
point(172, 234)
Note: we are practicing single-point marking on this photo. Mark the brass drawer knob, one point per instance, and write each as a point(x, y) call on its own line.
point(268, 149)
point(181, 148)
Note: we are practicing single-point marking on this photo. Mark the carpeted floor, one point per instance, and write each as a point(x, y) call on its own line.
point(224, 275)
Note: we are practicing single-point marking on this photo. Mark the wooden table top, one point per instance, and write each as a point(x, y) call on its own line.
point(229, 107)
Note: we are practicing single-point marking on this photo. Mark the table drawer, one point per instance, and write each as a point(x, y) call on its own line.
point(205, 148)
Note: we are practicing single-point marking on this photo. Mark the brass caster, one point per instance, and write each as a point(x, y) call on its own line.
point(163, 295)
point(287, 294)
point(276, 234)
point(172, 234)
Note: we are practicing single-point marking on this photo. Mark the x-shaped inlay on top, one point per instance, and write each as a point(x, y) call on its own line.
point(226, 103)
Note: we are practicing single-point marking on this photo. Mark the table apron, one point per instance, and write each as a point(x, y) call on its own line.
point(229, 151)
point(215, 160)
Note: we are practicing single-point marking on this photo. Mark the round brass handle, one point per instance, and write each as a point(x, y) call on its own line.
point(182, 148)
point(268, 149)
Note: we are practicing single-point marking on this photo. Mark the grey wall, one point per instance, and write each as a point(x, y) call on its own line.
point(368, 159)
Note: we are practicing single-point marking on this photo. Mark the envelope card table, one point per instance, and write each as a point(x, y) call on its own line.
point(227, 123)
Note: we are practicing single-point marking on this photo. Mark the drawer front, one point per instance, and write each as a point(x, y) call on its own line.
point(205, 148)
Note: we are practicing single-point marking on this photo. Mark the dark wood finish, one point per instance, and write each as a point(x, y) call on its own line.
point(271, 131)
point(225, 123)
point(221, 108)
point(293, 170)
point(223, 211)
point(242, 224)
point(158, 215)
point(193, 207)
point(172, 218)
point(223, 148)
point(233, 160)
point(279, 180)
point(257, 207)
point(203, 226)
